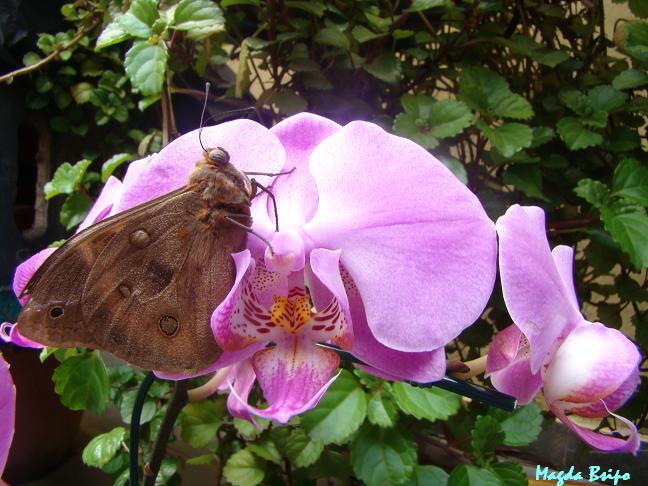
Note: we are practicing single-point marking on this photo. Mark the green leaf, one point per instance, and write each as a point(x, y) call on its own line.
point(200, 421)
point(486, 436)
point(339, 413)
point(385, 67)
point(381, 410)
point(103, 447)
point(510, 473)
point(331, 464)
point(66, 178)
point(636, 43)
point(301, 450)
point(538, 52)
point(200, 18)
point(231, 3)
point(523, 426)
point(623, 139)
point(606, 98)
point(81, 92)
point(315, 8)
point(127, 403)
point(112, 34)
point(630, 230)
point(266, 449)
point(542, 135)
point(82, 383)
point(473, 476)
point(510, 105)
point(631, 181)
point(168, 468)
point(243, 81)
point(594, 192)
point(145, 66)
point(244, 469)
point(333, 37)
point(382, 456)
point(421, 5)
point(508, 138)
point(30, 59)
point(139, 19)
point(74, 210)
point(202, 460)
point(427, 476)
point(487, 92)
point(527, 179)
point(425, 403)
point(575, 135)
point(112, 163)
point(362, 34)
point(630, 79)
point(289, 103)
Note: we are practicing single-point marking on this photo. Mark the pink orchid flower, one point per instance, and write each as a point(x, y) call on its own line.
point(7, 412)
point(584, 368)
point(397, 256)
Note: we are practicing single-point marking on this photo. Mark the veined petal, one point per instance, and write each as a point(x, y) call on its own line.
point(517, 380)
point(250, 145)
point(602, 442)
point(325, 265)
point(384, 362)
point(242, 378)
point(296, 194)
point(503, 349)
point(613, 401)
point(7, 412)
point(533, 289)
point(25, 271)
point(293, 375)
point(415, 240)
point(110, 194)
point(244, 317)
point(590, 364)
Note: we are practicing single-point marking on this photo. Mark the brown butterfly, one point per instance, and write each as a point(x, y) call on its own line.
point(143, 284)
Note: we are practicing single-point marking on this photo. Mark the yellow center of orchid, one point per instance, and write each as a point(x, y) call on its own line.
point(291, 314)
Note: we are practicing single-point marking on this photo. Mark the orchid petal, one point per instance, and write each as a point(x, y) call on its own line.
point(591, 363)
point(533, 289)
point(612, 402)
point(413, 237)
point(563, 257)
point(325, 265)
point(293, 376)
point(26, 270)
point(243, 378)
point(296, 193)
point(243, 317)
point(7, 411)
point(503, 349)
point(9, 334)
point(228, 358)
point(109, 195)
point(250, 145)
point(603, 442)
point(517, 380)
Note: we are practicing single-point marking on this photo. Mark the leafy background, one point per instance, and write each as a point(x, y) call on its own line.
point(526, 102)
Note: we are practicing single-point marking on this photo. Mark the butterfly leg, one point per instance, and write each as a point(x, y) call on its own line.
point(231, 217)
point(256, 185)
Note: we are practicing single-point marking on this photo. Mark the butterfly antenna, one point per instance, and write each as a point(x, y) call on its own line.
point(218, 117)
point(202, 116)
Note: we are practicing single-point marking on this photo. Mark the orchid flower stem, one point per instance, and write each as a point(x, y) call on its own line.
point(208, 389)
point(475, 367)
point(175, 405)
point(460, 387)
point(133, 442)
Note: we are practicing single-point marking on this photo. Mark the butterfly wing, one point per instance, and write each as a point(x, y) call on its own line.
point(141, 285)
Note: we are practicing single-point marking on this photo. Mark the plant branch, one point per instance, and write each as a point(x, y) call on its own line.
point(28, 69)
point(177, 403)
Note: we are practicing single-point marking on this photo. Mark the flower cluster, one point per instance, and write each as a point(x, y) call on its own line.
point(584, 368)
point(381, 251)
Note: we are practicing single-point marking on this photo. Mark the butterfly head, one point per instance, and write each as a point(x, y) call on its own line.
point(217, 156)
